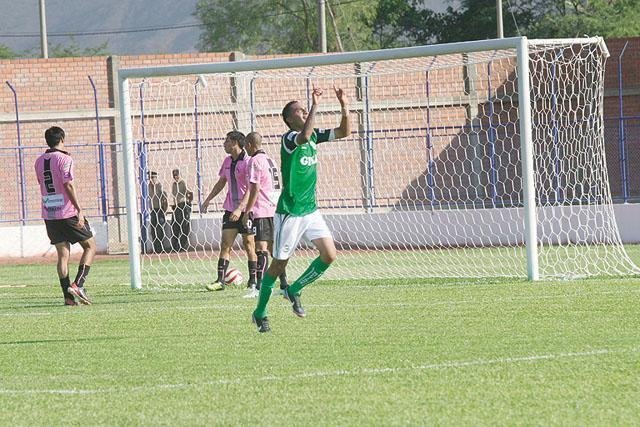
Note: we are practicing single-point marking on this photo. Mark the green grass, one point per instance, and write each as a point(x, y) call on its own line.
point(461, 352)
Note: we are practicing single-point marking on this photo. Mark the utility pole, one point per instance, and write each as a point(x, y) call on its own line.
point(499, 18)
point(322, 27)
point(43, 30)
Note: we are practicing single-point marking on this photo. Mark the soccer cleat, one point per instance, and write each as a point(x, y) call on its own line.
point(70, 301)
point(79, 293)
point(215, 286)
point(261, 324)
point(252, 292)
point(296, 305)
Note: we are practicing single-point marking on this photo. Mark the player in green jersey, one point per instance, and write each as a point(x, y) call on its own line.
point(297, 212)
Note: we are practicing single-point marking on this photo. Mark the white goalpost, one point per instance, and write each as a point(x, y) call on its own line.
point(472, 159)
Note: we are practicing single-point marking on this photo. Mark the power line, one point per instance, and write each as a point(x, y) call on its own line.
point(105, 32)
point(146, 29)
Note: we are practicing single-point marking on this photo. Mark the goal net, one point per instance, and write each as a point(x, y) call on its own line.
point(463, 161)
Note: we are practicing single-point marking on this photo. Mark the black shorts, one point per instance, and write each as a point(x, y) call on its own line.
point(263, 229)
point(239, 225)
point(65, 230)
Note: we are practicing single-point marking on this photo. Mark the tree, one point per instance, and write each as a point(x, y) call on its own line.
point(391, 23)
point(280, 26)
point(476, 20)
point(6, 52)
point(576, 18)
point(290, 26)
point(409, 22)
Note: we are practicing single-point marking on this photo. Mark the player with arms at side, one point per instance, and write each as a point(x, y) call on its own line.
point(297, 212)
point(261, 200)
point(233, 172)
point(63, 216)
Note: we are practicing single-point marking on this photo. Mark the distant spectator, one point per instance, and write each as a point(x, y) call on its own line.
point(181, 223)
point(159, 206)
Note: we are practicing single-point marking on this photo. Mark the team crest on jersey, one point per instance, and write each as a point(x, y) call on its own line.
point(308, 160)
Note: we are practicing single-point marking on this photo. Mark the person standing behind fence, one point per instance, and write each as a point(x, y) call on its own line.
point(181, 224)
point(159, 205)
point(63, 217)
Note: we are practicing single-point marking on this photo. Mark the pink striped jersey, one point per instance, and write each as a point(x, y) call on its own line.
point(54, 168)
point(262, 170)
point(236, 174)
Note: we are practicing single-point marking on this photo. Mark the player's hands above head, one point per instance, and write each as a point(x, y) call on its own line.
point(316, 94)
point(342, 97)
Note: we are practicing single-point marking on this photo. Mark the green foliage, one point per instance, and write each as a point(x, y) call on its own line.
point(290, 26)
point(390, 23)
point(594, 17)
point(280, 26)
point(476, 20)
point(6, 52)
point(73, 50)
point(409, 22)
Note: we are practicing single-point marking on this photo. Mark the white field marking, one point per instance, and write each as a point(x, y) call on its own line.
point(13, 286)
point(453, 364)
point(94, 308)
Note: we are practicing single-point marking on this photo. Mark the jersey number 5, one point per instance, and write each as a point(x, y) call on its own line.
point(48, 177)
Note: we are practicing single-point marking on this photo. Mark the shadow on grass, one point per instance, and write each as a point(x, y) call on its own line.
point(89, 340)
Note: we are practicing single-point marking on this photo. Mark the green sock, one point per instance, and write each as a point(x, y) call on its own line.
point(263, 298)
point(312, 273)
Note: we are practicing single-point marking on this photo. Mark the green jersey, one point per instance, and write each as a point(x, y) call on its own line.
point(299, 172)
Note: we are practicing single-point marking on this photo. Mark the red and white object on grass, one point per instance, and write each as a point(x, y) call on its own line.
point(233, 277)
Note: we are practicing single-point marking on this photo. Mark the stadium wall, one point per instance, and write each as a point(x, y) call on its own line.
point(351, 231)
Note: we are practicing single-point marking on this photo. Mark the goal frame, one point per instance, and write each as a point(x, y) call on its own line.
point(520, 44)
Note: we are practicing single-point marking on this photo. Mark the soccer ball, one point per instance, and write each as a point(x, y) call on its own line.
point(233, 277)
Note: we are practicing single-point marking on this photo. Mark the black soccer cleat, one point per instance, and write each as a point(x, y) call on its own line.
point(261, 324)
point(296, 305)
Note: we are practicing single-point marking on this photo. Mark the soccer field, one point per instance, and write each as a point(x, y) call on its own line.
point(461, 352)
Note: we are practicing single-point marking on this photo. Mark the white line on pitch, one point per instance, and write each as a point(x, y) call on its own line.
point(453, 364)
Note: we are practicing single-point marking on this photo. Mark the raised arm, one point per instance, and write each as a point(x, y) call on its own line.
point(344, 129)
point(304, 136)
